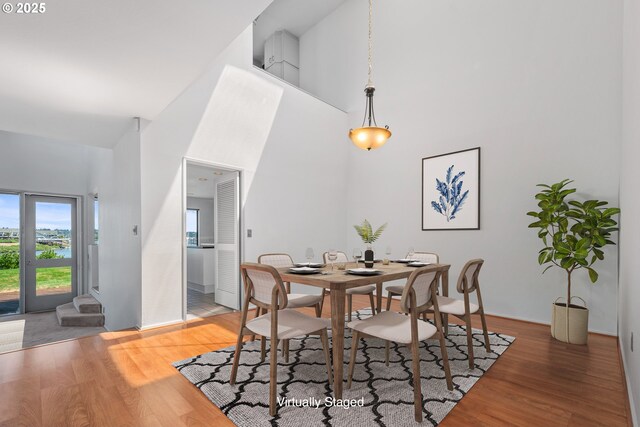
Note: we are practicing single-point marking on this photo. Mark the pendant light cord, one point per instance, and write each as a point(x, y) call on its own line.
point(370, 82)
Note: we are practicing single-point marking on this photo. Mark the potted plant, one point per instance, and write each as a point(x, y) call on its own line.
point(368, 236)
point(574, 234)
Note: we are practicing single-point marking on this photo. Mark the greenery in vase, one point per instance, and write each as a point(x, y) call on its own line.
point(366, 233)
point(574, 233)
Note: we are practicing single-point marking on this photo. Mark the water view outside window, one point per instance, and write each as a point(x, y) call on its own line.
point(192, 227)
point(9, 253)
point(53, 240)
point(96, 208)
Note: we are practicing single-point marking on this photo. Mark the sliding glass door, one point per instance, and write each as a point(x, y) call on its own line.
point(50, 252)
point(9, 253)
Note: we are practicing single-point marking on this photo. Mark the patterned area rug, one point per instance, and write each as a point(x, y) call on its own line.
point(385, 393)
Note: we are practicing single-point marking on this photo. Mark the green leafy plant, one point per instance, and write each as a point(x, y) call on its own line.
point(366, 233)
point(49, 254)
point(574, 233)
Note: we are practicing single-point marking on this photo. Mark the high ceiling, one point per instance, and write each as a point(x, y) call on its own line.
point(201, 180)
point(295, 16)
point(81, 70)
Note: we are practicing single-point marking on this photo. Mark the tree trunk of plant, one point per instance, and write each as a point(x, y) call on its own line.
point(568, 300)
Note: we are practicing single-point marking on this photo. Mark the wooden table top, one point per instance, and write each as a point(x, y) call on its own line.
point(341, 279)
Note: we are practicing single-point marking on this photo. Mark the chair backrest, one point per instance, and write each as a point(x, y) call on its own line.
point(342, 257)
point(276, 260)
point(422, 282)
point(261, 282)
point(468, 278)
point(425, 257)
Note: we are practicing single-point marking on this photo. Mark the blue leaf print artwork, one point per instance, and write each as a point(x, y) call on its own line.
point(451, 197)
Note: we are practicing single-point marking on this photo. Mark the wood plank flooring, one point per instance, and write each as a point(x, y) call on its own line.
point(125, 378)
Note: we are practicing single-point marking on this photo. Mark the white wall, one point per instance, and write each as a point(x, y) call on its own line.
point(116, 178)
point(36, 164)
point(205, 217)
point(288, 145)
point(32, 163)
point(536, 84)
point(629, 315)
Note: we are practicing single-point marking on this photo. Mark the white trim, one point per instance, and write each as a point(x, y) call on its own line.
point(632, 406)
point(241, 242)
point(160, 325)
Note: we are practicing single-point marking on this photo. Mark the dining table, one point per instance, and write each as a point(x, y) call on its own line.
point(338, 281)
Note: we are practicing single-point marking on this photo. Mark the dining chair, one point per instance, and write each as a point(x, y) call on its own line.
point(463, 309)
point(360, 290)
point(398, 289)
point(280, 260)
point(418, 295)
point(265, 289)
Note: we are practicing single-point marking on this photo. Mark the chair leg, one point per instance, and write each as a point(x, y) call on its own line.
point(236, 360)
point(487, 345)
point(386, 353)
point(285, 350)
point(273, 376)
point(349, 305)
point(424, 316)
point(373, 304)
point(318, 308)
point(258, 309)
point(352, 360)
point(263, 349)
point(417, 387)
point(324, 337)
point(467, 320)
point(445, 360)
point(389, 298)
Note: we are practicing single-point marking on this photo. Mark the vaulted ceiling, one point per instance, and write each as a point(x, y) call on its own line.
point(82, 69)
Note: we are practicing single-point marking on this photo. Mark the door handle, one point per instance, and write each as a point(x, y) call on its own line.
point(28, 262)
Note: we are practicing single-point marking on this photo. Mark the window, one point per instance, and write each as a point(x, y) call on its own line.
point(96, 223)
point(192, 227)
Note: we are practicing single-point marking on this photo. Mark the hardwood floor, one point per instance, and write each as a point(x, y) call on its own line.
point(126, 379)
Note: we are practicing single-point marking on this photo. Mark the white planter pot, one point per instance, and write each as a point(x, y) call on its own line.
point(572, 325)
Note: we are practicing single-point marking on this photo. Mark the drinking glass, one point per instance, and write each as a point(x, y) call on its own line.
point(333, 255)
point(411, 253)
point(309, 255)
point(388, 255)
point(357, 254)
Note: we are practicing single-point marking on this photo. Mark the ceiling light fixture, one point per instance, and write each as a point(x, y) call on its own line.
point(203, 179)
point(370, 136)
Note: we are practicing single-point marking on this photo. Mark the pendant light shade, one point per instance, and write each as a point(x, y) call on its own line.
point(369, 136)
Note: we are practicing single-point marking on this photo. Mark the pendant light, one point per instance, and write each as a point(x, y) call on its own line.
point(370, 136)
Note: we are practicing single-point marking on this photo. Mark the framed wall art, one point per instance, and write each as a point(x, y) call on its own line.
point(451, 191)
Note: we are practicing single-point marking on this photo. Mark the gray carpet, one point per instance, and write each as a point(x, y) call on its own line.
point(28, 330)
point(387, 391)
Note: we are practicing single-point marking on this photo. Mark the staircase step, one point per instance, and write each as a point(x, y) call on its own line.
point(87, 304)
point(69, 316)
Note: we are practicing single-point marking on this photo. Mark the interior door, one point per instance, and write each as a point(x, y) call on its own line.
point(227, 240)
point(50, 252)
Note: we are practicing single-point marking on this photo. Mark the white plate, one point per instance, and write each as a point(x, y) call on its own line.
point(418, 264)
point(304, 270)
point(309, 264)
point(364, 271)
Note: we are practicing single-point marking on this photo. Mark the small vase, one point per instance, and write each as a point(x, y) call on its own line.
point(368, 257)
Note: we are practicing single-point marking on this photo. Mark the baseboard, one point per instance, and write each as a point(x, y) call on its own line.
point(159, 325)
point(631, 409)
point(537, 322)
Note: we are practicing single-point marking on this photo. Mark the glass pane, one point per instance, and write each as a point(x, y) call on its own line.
point(53, 280)
point(9, 253)
point(192, 227)
point(96, 224)
point(53, 230)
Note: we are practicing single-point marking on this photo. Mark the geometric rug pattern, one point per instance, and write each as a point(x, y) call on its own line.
point(305, 398)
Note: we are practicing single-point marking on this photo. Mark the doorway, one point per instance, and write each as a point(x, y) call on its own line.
point(211, 244)
point(50, 252)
